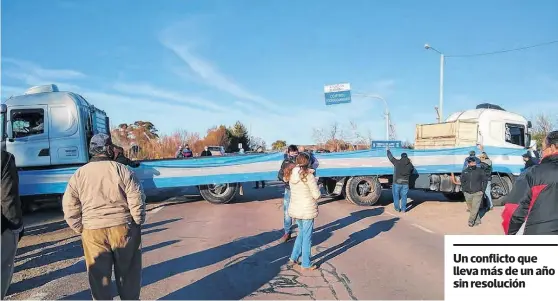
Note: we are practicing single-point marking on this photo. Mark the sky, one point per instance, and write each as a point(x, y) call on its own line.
point(195, 64)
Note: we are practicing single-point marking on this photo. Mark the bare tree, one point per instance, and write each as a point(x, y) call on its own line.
point(357, 137)
point(543, 125)
point(319, 136)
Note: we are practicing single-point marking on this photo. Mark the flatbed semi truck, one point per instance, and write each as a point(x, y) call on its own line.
point(48, 132)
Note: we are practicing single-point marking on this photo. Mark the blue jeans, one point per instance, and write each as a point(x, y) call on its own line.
point(400, 193)
point(287, 220)
point(303, 243)
point(488, 194)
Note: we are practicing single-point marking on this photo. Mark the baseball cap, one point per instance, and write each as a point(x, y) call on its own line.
point(471, 159)
point(99, 143)
point(472, 153)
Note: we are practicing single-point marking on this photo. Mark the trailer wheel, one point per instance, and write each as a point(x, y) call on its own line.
point(363, 191)
point(454, 196)
point(500, 188)
point(219, 193)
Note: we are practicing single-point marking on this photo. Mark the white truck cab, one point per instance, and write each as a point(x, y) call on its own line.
point(47, 127)
point(487, 124)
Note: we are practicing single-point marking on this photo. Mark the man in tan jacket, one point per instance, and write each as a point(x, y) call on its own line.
point(105, 203)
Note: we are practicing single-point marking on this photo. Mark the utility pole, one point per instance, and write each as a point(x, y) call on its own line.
point(440, 108)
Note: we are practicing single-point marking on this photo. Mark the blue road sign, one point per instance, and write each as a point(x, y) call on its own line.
point(337, 94)
point(334, 98)
point(386, 143)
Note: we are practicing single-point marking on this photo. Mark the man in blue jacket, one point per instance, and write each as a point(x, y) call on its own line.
point(472, 154)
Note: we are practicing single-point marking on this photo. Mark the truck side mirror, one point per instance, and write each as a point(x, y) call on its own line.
point(529, 124)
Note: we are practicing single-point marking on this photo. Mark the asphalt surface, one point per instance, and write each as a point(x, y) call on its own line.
point(196, 250)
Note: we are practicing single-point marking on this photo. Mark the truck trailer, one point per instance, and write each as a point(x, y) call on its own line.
point(48, 131)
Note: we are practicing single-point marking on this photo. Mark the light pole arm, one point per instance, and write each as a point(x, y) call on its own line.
point(386, 105)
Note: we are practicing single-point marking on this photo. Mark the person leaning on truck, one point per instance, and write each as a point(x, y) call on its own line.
point(12, 218)
point(403, 169)
point(473, 182)
point(532, 201)
point(105, 203)
point(289, 158)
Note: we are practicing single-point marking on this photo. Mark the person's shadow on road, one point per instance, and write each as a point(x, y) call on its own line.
point(355, 239)
point(243, 276)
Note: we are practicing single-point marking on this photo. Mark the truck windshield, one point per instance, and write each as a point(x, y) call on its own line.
point(515, 134)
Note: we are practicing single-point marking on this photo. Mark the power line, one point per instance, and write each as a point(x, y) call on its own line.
point(504, 51)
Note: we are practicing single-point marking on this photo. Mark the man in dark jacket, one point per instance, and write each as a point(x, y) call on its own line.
point(533, 200)
point(486, 165)
point(12, 218)
point(473, 184)
point(403, 169)
point(290, 157)
point(529, 161)
point(206, 152)
point(120, 158)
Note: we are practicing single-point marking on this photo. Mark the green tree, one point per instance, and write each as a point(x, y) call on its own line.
point(279, 145)
point(238, 134)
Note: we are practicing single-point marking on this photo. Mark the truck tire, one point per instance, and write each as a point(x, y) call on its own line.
point(454, 196)
point(363, 191)
point(500, 188)
point(220, 193)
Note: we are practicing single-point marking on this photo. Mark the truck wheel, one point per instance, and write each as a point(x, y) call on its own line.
point(454, 196)
point(500, 188)
point(219, 193)
point(363, 191)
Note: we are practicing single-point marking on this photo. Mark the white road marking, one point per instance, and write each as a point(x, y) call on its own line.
point(392, 214)
point(422, 228)
point(155, 210)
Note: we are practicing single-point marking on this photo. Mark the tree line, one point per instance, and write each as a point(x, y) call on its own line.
point(144, 137)
point(142, 140)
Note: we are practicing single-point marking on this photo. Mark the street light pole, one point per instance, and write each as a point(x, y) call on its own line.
point(386, 114)
point(441, 110)
point(442, 62)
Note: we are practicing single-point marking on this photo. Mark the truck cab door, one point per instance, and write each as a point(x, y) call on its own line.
point(28, 136)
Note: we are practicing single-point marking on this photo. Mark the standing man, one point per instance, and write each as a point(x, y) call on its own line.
point(120, 158)
point(532, 202)
point(472, 154)
point(473, 184)
point(402, 170)
point(12, 218)
point(187, 152)
point(105, 203)
point(486, 165)
point(529, 161)
point(179, 154)
point(206, 152)
point(290, 158)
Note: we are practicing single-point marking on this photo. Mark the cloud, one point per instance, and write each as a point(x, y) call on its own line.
point(179, 98)
point(205, 70)
point(40, 72)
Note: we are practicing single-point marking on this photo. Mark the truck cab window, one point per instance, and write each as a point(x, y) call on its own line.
point(27, 122)
point(515, 134)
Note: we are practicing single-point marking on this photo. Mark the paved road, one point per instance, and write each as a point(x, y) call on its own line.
point(195, 250)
